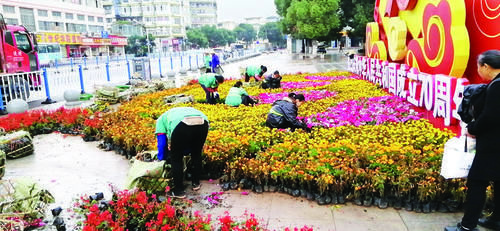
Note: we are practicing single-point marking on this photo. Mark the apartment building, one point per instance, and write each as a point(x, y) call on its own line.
point(55, 15)
point(64, 28)
point(202, 12)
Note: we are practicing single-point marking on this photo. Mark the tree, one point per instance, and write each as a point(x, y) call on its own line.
point(312, 19)
point(245, 32)
point(230, 36)
point(272, 32)
point(138, 45)
point(197, 37)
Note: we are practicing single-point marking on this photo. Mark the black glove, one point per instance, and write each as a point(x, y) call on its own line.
point(305, 127)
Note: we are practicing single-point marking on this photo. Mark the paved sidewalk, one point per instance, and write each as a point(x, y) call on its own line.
point(279, 210)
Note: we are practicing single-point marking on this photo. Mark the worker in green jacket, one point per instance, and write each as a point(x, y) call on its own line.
point(210, 82)
point(254, 72)
point(208, 62)
point(237, 95)
point(187, 130)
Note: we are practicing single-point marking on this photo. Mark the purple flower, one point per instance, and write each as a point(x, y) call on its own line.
point(376, 110)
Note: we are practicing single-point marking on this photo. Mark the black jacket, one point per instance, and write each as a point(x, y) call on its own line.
point(270, 82)
point(283, 114)
point(486, 128)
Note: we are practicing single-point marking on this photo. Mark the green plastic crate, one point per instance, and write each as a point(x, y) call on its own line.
point(85, 97)
point(123, 87)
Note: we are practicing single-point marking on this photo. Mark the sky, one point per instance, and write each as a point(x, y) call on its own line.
point(237, 10)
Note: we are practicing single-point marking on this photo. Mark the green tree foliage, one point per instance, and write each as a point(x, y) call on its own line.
point(210, 36)
point(310, 19)
point(138, 45)
point(197, 38)
point(245, 32)
point(363, 14)
point(345, 13)
point(272, 32)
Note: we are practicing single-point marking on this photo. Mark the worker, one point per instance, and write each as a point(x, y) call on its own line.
point(210, 82)
point(215, 63)
point(255, 72)
point(272, 81)
point(283, 113)
point(237, 95)
point(186, 128)
point(208, 62)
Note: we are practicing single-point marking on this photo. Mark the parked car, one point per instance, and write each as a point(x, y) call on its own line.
point(322, 49)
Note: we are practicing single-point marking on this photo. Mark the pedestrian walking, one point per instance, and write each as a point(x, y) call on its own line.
point(486, 129)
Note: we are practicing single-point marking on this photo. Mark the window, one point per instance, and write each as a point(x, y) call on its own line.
point(91, 18)
point(73, 27)
point(9, 9)
point(49, 26)
point(12, 21)
point(109, 20)
point(96, 29)
point(99, 19)
point(8, 38)
point(56, 14)
point(69, 16)
point(23, 42)
point(28, 18)
point(43, 13)
point(80, 17)
point(177, 21)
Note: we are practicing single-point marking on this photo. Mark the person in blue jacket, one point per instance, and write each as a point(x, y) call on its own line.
point(215, 62)
point(187, 130)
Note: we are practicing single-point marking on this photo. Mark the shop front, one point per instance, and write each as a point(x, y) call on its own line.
point(118, 44)
point(54, 46)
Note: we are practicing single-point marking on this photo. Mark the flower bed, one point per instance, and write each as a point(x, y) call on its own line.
point(376, 110)
point(309, 95)
point(135, 210)
point(390, 155)
point(299, 85)
point(331, 78)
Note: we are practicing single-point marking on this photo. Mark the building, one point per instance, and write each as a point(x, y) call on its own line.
point(257, 22)
point(228, 25)
point(203, 12)
point(165, 19)
point(64, 28)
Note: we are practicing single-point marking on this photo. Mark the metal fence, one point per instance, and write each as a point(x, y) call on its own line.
point(87, 77)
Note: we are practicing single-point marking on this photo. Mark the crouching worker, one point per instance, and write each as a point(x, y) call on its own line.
point(210, 82)
point(272, 81)
point(283, 113)
point(237, 95)
point(254, 72)
point(186, 128)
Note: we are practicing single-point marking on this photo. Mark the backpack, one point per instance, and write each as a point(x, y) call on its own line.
point(473, 101)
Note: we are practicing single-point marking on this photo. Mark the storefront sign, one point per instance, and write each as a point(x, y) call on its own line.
point(437, 94)
point(61, 38)
point(118, 40)
point(434, 36)
point(96, 41)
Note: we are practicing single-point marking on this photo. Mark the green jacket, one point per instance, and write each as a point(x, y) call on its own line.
point(171, 118)
point(253, 70)
point(208, 80)
point(234, 96)
point(208, 59)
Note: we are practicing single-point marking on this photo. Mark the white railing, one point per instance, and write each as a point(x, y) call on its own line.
point(28, 86)
point(86, 77)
